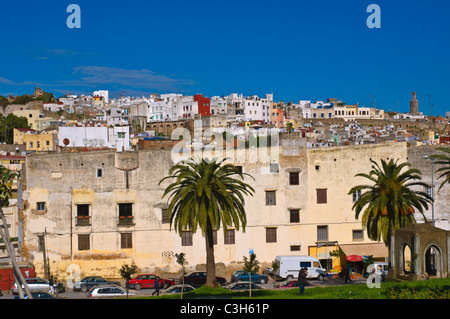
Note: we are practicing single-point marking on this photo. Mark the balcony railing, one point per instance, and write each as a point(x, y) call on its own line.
point(83, 220)
point(126, 220)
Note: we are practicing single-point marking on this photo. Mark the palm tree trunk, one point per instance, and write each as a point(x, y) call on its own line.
point(210, 262)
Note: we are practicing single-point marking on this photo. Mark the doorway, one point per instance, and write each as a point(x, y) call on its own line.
point(433, 261)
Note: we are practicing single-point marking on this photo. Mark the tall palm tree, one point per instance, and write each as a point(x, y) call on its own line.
point(389, 202)
point(444, 160)
point(206, 195)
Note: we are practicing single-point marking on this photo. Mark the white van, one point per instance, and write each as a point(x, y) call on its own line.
point(289, 267)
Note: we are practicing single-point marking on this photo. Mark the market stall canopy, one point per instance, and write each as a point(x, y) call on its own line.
point(377, 250)
point(354, 258)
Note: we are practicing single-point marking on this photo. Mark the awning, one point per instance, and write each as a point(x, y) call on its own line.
point(377, 250)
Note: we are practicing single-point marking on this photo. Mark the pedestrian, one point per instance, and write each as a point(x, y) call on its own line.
point(156, 287)
point(51, 284)
point(302, 279)
point(348, 270)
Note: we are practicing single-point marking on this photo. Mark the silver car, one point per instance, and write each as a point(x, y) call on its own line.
point(109, 291)
point(34, 284)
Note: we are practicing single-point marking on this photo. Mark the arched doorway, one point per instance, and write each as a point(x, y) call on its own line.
point(433, 261)
point(408, 266)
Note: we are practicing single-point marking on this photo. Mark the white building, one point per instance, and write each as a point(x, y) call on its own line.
point(103, 93)
point(117, 137)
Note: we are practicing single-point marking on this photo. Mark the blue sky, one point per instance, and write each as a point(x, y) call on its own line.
point(309, 50)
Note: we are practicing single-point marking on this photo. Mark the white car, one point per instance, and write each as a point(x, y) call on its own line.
point(109, 291)
point(34, 284)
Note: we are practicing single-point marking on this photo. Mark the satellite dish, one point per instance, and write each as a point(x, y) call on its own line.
point(101, 142)
point(85, 142)
point(66, 141)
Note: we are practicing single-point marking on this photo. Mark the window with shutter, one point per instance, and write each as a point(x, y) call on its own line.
point(271, 198)
point(321, 196)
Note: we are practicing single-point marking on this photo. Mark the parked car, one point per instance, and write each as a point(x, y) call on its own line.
point(177, 289)
point(380, 269)
point(242, 285)
point(198, 278)
point(148, 281)
point(92, 281)
point(34, 284)
point(109, 291)
point(40, 295)
point(240, 275)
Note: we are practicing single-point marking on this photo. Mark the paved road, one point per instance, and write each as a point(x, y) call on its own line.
point(148, 292)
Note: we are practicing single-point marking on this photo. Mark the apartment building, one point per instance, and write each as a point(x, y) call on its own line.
point(106, 207)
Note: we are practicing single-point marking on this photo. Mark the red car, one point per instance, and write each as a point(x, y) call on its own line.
point(148, 281)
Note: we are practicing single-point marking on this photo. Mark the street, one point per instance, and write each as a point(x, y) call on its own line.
point(70, 294)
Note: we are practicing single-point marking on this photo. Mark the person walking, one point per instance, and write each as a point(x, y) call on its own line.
point(156, 287)
point(51, 284)
point(302, 279)
point(348, 270)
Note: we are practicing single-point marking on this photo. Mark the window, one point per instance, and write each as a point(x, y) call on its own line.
point(271, 198)
point(82, 210)
point(321, 196)
point(126, 240)
point(121, 134)
point(186, 238)
point(274, 167)
point(356, 195)
point(126, 210)
point(41, 243)
point(31, 144)
point(83, 218)
point(239, 168)
point(294, 179)
point(214, 237)
point(429, 191)
point(230, 237)
point(40, 206)
point(306, 264)
point(84, 242)
point(358, 235)
point(271, 235)
point(295, 247)
point(165, 219)
point(322, 233)
point(294, 215)
point(99, 172)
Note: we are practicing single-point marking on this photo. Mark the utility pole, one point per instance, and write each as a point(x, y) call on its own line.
point(10, 249)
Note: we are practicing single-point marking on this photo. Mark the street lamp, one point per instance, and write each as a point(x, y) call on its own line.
point(432, 187)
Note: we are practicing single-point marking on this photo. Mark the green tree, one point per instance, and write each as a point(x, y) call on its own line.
point(443, 159)
point(126, 272)
point(389, 202)
point(206, 195)
point(7, 126)
point(251, 266)
point(181, 260)
point(289, 127)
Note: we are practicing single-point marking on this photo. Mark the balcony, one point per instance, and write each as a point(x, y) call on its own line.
point(83, 221)
point(126, 221)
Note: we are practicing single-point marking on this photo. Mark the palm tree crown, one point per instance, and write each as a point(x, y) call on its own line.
point(390, 201)
point(444, 160)
point(206, 195)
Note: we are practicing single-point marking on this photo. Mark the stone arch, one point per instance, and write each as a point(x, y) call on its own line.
point(432, 260)
point(406, 259)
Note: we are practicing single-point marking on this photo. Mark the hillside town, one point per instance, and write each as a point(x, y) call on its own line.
point(89, 168)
